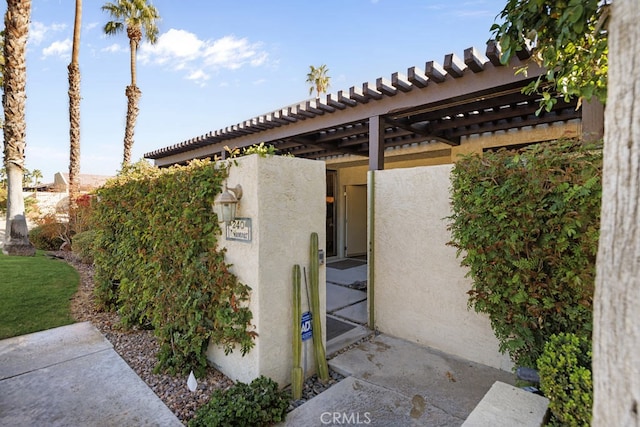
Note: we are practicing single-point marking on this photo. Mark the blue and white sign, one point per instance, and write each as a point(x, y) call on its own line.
point(307, 331)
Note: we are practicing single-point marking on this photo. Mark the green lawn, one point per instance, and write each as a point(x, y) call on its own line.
point(35, 294)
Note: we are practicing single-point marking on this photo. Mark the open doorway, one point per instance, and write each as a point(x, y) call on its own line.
point(347, 314)
point(347, 311)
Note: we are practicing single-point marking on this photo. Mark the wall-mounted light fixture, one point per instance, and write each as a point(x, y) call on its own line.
point(225, 203)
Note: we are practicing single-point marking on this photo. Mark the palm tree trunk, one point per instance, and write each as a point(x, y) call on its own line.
point(133, 96)
point(16, 23)
point(74, 118)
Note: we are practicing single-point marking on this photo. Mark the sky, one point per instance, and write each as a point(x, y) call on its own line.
point(218, 63)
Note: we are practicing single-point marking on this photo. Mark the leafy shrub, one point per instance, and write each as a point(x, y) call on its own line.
point(260, 403)
point(526, 224)
point(157, 261)
point(47, 236)
point(31, 208)
point(81, 217)
point(3, 199)
point(82, 245)
point(565, 378)
point(261, 150)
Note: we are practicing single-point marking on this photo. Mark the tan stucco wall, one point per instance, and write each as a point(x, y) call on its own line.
point(420, 288)
point(547, 132)
point(285, 199)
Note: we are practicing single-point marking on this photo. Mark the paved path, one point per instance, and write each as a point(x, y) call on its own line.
point(72, 376)
point(393, 382)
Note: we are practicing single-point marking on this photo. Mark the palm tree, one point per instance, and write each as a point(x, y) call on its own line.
point(26, 178)
point(16, 23)
point(138, 18)
point(36, 176)
point(318, 79)
point(74, 114)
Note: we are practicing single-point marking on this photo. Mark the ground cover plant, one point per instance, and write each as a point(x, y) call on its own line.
point(526, 224)
point(156, 261)
point(36, 294)
point(260, 403)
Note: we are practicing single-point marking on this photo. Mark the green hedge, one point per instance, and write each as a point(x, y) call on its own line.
point(526, 225)
point(565, 378)
point(156, 261)
point(82, 245)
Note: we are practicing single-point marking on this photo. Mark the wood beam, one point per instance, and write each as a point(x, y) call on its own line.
point(324, 106)
point(425, 131)
point(371, 92)
point(435, 72)
point(284, 116)
point(523, 54)
point(592, 120)
point(493, 53)
point(454, 65)
point(386, 87)
point(332, 100)
point(474, 60)
point(311, 106)
point(417, 77)
point(376, 143)
point(401, 82)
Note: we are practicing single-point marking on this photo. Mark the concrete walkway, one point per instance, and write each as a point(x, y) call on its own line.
point(346, 305)
point(392, 382)
point(72, 376)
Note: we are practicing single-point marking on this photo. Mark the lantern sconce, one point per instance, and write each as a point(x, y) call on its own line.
point(225, 203)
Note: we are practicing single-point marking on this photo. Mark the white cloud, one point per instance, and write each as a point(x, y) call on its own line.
point(114, 48)
point(232, 53)
point(38, 31)
point(174, 44)
point(91, 26)
point(198, 76)
point(60, 49)
point(181, 50)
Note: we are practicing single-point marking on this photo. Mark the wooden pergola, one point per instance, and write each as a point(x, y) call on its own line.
point(475, 94)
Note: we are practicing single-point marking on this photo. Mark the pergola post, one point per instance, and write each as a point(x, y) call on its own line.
point(376, 143)
point(592, 120)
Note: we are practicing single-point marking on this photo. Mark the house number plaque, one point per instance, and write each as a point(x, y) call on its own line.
point(239, 229)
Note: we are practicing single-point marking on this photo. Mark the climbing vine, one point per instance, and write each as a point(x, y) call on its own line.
point(526, 224)
point(157, 262)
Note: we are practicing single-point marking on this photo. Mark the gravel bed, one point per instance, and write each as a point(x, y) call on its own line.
point(138, 347)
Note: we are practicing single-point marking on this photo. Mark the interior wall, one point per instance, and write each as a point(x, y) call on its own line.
point(420, 287)
point(355, 175)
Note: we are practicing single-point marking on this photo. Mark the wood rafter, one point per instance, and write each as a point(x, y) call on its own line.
point(467, 95)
